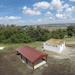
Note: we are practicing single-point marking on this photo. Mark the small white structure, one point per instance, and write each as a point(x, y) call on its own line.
point(55, 45)
point(1, 48)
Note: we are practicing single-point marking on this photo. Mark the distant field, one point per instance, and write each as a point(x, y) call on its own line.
point(54, 27)
point(70, 41)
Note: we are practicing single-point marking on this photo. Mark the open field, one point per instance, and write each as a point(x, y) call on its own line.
point(51, 28)
point(58, 64)
point(70, 41)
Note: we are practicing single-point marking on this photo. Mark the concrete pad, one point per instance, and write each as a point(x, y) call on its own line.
point(36, 64)
point(39, 64)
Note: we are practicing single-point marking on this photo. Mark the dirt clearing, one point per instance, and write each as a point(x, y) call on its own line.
point(11, 64)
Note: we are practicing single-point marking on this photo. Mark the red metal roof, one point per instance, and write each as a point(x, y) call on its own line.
point(30, 53)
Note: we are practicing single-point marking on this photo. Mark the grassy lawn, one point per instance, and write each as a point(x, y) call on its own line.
point(38, 45)
point(70, 41)
point(9, 47)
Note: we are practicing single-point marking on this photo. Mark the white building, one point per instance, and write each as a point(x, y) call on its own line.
point(55, 45)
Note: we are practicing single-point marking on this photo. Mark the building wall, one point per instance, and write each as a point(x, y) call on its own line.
point(62, 46)
point(55, 48)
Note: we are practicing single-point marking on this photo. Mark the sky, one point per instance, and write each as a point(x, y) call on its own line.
point(34, 12)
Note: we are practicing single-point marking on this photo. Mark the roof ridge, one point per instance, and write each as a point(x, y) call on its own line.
point(33, 50)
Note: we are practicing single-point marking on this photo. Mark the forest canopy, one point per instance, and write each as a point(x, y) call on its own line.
point(26, 34)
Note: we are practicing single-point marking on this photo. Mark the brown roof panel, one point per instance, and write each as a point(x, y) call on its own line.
point(31, 53)
point(54, 41)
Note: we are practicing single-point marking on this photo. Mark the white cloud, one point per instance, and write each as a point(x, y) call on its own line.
point(50, 18)
point(72, 0)
point(56, 11)
point(10, 18)
point(39, 20)
point(1, 18)
point(56, 5)
point(30, 12)
point(65, 5)
point(60, 16)
point(69, 11)
point(43, 5)
point(48, 14)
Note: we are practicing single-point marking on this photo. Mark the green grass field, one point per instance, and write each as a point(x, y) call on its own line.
point(69, 40)
point(9, 47)
point(38, 45)
point(54, 27)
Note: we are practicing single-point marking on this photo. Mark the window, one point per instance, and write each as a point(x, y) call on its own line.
point(56, 46)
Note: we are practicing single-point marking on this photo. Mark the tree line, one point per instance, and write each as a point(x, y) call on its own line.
point(26, 34)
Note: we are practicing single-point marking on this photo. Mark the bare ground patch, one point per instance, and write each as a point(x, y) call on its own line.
point(11, 64)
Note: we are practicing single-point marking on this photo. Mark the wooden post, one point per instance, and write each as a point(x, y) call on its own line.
point(46, 58)
point(17, 53)
point(33, 65)
point(26, 60)
point(21, 56)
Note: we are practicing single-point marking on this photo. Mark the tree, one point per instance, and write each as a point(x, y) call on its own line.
point(21, 34)
point(2, 38)
point(70, 31)
point(61, 33)
point(20, 38)
point(71, 28)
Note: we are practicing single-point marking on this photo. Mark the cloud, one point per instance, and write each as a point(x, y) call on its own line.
point(72, 0)
point(48, 14)
point(43, 5)
point(1, 18)
point(56, 11)
point(70, 9)
point(10, 18)
point(60, 16)
point(56, 5)
point(30, 12)
point(65, 5)
point(67, 13)
point(39, 20)
point(35, 11)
